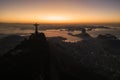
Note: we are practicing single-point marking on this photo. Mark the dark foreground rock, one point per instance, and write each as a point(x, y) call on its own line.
point(37, 59)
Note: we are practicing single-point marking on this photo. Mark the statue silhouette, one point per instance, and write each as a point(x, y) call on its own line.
point(36, 28)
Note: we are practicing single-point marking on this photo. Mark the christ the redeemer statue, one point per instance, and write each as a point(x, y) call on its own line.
point(36, 28)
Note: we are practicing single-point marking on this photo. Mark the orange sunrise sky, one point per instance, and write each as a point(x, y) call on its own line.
point(60, 11)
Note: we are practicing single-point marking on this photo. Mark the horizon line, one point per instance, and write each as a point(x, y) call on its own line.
point(60, 23)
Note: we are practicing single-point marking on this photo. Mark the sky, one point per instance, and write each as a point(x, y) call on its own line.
point(60, 11)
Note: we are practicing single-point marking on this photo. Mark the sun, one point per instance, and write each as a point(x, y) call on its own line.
point(55, 18)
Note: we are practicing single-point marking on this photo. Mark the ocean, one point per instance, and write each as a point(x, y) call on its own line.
point(56, 30)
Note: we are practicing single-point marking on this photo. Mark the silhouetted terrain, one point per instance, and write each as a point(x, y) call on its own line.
point(41, 58)
point(9, 43)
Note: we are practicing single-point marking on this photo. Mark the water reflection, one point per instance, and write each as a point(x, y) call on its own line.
point(63, 33)
point(56, 31)
point(114, 31)
point(94, 33)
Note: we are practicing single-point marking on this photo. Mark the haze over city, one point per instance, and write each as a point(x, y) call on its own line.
point(60, 11)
